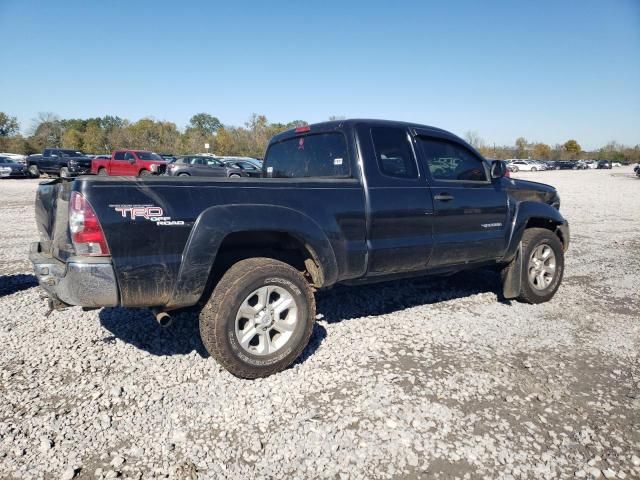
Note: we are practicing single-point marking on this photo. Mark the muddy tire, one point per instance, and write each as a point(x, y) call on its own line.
point(34, 171)
point(542, 267)
point(259, 318)
point(144, 173)
point(102, 172)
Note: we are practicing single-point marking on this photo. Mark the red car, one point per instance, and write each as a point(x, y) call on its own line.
point(129, 163)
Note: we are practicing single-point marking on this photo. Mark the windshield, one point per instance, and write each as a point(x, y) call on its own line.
point(149, 156)
point(71, 153)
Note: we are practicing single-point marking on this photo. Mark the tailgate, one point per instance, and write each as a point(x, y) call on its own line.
point(52, 217)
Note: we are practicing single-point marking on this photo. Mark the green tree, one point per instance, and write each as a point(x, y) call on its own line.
point(72, 138)
point(522, 148)
point(572, 149)
point(204, 123)
point(8, 125)
point(541, 151)
point(94, 139)
point(47, 131)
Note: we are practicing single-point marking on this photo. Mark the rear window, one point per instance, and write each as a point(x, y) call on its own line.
point(321, 155)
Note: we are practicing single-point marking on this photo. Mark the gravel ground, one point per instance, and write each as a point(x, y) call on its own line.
point(422, 378)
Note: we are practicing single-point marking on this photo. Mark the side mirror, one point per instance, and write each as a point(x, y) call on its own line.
point(498, 169)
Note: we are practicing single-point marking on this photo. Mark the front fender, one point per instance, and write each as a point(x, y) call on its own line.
point(215, 223)
point(526, 211)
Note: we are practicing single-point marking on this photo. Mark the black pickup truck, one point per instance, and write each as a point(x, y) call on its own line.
point(62, 162)
point(342, 202)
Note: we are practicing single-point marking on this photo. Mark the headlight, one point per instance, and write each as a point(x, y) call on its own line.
point(154, 168)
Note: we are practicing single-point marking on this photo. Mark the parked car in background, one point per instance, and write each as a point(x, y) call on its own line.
point(603, 164)
point(134, 163)
point(592, 164)
point(551, 165)
point(63, 162)
point(168, 157)
point(16, 157)
point(581, 165)
point(256, 161)
point(616, 164)
point(247, 167)
point(524, 165)
point(11, 168)
point(566, 165)
point(203, 166)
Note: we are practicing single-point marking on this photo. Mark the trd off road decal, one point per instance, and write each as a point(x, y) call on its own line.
point(146, 212)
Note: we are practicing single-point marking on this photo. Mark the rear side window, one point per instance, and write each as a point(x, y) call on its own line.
point(393, 152)
point(321, 155)
point(119, 156)
point(449, 161)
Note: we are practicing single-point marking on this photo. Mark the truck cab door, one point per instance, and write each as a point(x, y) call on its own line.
point(117, 164)
point(471, 211)
point(400, 209)
point(44, 163)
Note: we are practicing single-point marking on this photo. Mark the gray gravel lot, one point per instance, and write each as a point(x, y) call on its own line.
point(426, 378)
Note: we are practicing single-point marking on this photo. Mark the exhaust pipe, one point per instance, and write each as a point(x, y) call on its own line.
point(163, 318)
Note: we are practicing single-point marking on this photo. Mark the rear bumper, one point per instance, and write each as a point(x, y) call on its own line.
point(86, 282)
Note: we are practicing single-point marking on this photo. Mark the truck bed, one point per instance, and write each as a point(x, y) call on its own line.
point(148, 223)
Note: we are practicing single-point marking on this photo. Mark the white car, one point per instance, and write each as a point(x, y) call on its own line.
point(616, 164)
point(593, 165)
point(524, 166)
point(15, 157)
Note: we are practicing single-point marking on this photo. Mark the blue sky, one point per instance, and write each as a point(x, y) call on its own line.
point(545, 70)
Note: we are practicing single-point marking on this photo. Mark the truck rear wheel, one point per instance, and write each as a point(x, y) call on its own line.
point(102, 171)
point(64, 172)
point(543, 265)
point(259, 318)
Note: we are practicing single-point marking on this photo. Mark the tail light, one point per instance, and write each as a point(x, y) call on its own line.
point(86, 233)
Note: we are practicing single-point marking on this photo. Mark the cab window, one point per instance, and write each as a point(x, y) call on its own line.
point(322, 155)
point(449, 161)
point(393, 152)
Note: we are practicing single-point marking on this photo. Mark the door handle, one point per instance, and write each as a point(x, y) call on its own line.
point(443, 197)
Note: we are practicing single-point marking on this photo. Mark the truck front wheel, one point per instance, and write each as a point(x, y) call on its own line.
point(543, 265)
point(144, 173)
point(34, 171)
point(259, 318)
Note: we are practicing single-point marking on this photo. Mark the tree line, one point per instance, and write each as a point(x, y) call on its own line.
point(105, 134)
point(569, 150)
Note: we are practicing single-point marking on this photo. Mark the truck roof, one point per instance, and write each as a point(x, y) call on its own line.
point(339, 124)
